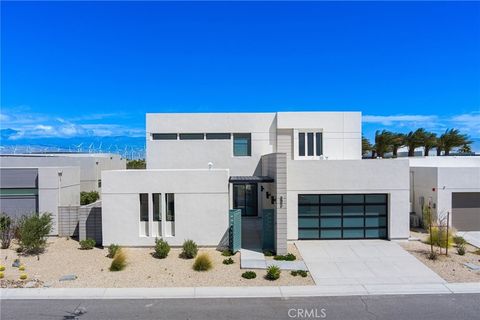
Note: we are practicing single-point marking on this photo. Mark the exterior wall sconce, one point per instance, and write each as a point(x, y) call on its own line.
point(261, 188)
point(268, 194)
point(281, 202)
point(273, 200)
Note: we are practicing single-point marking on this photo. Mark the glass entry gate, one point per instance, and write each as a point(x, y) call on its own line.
point(245, 198)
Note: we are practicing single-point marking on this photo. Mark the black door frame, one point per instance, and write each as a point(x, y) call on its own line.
point(255, 196)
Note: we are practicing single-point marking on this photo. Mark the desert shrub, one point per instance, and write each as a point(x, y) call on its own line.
point(477, 251)
point(21, 268)
point(162, 248)
point(459, 240)
point(267, 253)
point(461, 249)
point(294, 273)
point(2, 275)
point(249, 275)
point(227, 253)
point(119, 261)
point(33, 232)
point(273, 273)
point(202, 263)
point(426, 217)
point(2, 268)
point(87, 244)
point(88, 197)
point(6, 231)
point(438, 237)
point(302, 273)
point(23, 276)
point(287, 257)
point(189, 249)
point(433, 255)
point(228, 261)
point(112, 250)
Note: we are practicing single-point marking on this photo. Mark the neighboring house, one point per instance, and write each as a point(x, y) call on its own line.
point(447, 185)
point(91, 164)
point(305, 167)
point(25, 191)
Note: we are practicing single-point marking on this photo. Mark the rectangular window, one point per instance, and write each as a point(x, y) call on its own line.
point(156, 206)
point(319, 143)
point(242, 144)
point(143, 206)
point(310, 143)
point(301, 144)
point(191, 136)
point(218, 136)
point(170, 206)
point(164, 136)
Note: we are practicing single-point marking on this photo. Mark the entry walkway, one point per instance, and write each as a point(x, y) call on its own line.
point(250, 259)
point(363, 262)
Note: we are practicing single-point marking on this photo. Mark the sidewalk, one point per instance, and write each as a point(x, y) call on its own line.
point(236, 292)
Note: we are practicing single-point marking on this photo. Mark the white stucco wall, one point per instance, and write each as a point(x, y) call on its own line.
point(352, 176)
point(201, 205)
point(55, 190)
point(90, 171)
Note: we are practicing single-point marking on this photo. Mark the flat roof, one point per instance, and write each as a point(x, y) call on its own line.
point(250, 179)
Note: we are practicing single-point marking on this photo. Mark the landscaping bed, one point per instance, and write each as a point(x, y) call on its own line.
point(451, 267)
point(91, 267)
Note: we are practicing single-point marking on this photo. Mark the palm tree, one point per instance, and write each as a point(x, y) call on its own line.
point(452, 138)
point(413, 140)
point(383, 142)
point(465, 149)
point(429, 140)
point(366, 146)
point(397, 141)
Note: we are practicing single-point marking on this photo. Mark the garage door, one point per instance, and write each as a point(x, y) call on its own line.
point(466, 211)
point(342, 216)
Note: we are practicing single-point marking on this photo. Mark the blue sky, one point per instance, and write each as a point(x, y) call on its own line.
point(85, 70)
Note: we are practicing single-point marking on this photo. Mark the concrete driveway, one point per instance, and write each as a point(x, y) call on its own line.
point(472, 237)
point(364, 262)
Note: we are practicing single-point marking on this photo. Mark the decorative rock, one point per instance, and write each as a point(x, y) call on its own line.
point(68, 277)
point(472, 266)
point(30, 284)
point(16, 263)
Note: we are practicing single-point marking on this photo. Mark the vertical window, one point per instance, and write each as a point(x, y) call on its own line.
point(319, 144)
point(170, 206)
point(242, 144)
point(301, 144)
point(310, 143)
point(156, 206)
point(143, 206)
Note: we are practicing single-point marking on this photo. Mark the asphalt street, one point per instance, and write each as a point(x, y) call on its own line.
point(392, 307)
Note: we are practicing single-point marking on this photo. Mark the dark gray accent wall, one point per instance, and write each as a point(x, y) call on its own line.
point(466, 211)
point(90, 222)
point(17, 206)
point(18, 178)
point(466, 200)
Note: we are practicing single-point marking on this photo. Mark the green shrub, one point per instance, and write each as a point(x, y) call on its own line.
point(202, 263)
point(273, 273)
point(6, 231)
point(2, 275)
point(136, 164)
point(162, 248)
point(459, 240)
point(294, 273)
point(477, 251)
point(439, 236)
point(461, 249)
point(21, 268)
point(88, 197)
point(23, 276)
point(433, 255)
point(268, 253)
point(302, 273)
point(119, 261)
point(228, 261)
point(190, 249)
point(287, 257)
point(33, 232)
point(87, 244)
point(112, 250)
point(249, 275)
point(2, 268)
point(227, 253)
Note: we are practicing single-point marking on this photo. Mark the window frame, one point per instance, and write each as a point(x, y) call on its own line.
point(141, 212)
point(191, 136)
point(249, 144)
point(218, 136)
point(308, 135)
point(164, 136)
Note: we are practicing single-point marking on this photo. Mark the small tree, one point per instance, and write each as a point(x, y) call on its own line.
point(88, 197)
point(136, 164)
point(33, 232)
point(6, 231)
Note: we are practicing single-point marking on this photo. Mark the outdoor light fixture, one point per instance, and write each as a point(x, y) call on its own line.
point(273, 200)
point(261, 188)
point(268, 194)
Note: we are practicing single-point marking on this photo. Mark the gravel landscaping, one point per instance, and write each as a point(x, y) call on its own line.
point(451, 267)
point(63, 257)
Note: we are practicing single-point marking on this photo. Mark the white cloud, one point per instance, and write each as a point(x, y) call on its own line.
point(396, 119)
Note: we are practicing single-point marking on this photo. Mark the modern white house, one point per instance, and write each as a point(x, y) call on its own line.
point(448, 185)
point(298, 174)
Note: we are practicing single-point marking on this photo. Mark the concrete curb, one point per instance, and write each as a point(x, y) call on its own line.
point(236, 292)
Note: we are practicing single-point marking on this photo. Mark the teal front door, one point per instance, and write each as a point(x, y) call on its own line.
point(245, 198)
